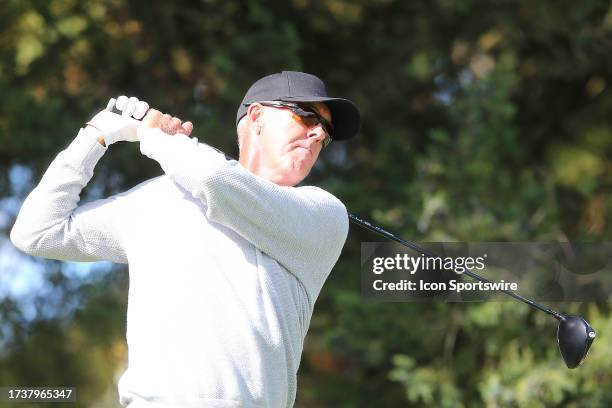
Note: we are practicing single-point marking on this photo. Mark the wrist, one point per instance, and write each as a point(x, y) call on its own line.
point(94, 132)
point(114, 128)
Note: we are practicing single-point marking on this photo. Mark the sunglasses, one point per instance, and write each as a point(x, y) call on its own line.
point(305, 115)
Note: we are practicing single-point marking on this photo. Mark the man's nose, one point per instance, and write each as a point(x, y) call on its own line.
point(317, 133)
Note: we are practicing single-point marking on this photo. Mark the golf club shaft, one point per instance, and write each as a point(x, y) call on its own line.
point(375, 228)
point(366, 224)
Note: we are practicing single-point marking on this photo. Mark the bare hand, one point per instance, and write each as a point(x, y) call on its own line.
point(170, 125)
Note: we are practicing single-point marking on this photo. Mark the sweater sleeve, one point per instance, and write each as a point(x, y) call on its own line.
point(304, 229)
point(51, 225)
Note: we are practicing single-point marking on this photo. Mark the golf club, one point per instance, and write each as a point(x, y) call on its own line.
point(574, 333)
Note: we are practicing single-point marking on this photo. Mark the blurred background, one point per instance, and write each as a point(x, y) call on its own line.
point(482, 121)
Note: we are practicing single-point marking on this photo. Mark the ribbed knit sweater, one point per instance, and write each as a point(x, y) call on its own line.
point(224, 268)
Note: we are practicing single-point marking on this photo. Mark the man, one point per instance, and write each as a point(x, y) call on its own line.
point(226, 258)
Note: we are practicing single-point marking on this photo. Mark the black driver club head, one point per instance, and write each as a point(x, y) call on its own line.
point(574, 336)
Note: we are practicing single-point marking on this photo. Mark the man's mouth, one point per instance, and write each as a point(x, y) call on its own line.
point(304, 147)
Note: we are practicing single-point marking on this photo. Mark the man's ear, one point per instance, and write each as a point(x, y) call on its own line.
point(254, 113)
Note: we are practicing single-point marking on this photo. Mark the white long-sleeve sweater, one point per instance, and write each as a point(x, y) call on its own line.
point(224, 268)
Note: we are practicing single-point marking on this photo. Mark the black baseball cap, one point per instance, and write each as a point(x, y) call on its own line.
point(293, 86)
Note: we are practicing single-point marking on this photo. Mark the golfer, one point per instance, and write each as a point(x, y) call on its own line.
point(226, 258)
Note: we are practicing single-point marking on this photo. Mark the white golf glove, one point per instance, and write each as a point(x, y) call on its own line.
point(120, 120)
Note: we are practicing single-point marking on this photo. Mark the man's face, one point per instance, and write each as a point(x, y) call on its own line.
point(289, 148)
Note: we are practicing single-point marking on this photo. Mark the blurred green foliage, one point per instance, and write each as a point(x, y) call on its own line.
point(482, 121)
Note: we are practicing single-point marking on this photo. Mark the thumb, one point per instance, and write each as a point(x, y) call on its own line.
point(152, 118)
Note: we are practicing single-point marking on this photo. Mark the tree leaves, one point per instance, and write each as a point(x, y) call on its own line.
point(481, 121)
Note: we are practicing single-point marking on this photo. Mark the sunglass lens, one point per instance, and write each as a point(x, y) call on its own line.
point(309, 120)
point(309, 117)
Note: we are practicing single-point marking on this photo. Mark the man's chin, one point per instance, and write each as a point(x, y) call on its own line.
point(290, 181)
point(292, 176)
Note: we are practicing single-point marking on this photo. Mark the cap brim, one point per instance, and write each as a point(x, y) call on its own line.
point(345, 115)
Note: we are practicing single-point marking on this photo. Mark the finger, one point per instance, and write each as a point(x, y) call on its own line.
point(187, 128)
point(141, 109)
point(111, 104)
point(175, 125)
point(165, 122)
point(121, 102)
point(130, 107)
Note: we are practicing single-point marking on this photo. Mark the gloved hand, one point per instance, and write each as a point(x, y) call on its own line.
point(120, 120)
